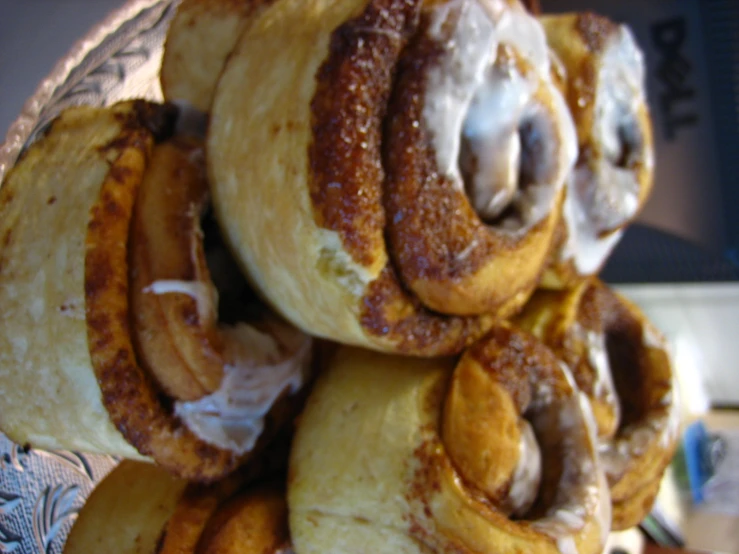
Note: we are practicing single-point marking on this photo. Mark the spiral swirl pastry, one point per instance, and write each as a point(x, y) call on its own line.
point(393, 176)
point(123, 349)
point(493, 453)
point(619, 360)
point(603, 78)
point(141, 509)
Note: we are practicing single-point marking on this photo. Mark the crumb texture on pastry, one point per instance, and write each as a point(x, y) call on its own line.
point(620, 361)
point(369, 226)
point(494, 454)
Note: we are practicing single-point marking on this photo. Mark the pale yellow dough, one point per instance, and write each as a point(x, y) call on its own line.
point(50, 394)
point(301, 269)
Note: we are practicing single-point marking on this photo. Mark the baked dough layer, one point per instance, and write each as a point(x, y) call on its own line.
point(299, 163)
point(373, 470)
point(51, 397)
point(620, 361)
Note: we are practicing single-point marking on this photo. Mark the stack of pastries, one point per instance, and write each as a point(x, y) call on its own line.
point(361, 312)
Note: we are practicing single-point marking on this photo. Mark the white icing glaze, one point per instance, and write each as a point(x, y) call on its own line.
point(580, 491)
point(661, 427)
point(583, 246)
point(478, 98)
point(620, 94)
point(652, 338)
point(604, 510)
point(604, 388)
point(205, 295)
point(602, 196)
point(527, 476)
point(566, 545)
point(260, 367)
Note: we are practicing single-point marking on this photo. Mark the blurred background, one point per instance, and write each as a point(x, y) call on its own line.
point(680, 262)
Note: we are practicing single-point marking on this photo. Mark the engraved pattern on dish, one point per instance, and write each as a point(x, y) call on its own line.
point(42, 492)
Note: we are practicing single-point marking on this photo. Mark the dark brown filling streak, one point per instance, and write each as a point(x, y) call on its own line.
point(637, 391)
point(519, 362)
point(346, 165)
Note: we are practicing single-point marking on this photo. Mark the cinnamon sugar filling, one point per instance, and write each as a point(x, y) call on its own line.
point(530, 448)
point(199, 330)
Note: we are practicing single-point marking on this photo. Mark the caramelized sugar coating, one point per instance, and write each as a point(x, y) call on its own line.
point(604, 84)
point(121, 351)
point(372, 228)
point(620, 361)
point(493, 452)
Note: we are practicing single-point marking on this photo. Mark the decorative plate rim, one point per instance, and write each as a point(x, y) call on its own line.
point(42, 492)
point(21, 128)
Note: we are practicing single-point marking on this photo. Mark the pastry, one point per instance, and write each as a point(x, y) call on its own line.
point(142, 509)
point(620, 361)
point(200, 38)
point(494, 452)
point(111, 340)
point(604, 83)
point(390, 173)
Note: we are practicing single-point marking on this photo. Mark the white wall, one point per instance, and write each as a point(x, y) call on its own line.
point(701, 321)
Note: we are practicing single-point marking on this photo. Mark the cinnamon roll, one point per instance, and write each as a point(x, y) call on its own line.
point(112, 340)
point(394, 175)
point(495, 452)
point(200, 38)
point(620, 361)
point(141, 509)
point(604, 83)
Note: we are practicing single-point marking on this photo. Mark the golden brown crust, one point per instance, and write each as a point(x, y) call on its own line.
point(195, 508)
point(450, 265)
point(176, 339)
point(460, 264)
point(590, 46)
point(345, 155)
point(88, 389)
point(390, 312)
point(200, 38)
point(612, 348)
point(141, 509)
point(321, 106)
point(254, 522)
point(45, 202)
point(416, 454)
point(534, 6)
point(133, 402)
point(630, 511)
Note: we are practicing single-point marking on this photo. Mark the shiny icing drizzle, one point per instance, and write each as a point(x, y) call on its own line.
point(603, 190)
point(618, 453)
point(527, 475)
point(491, 132)
point(583, 489)
point(260, 367)
point(604, 388)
